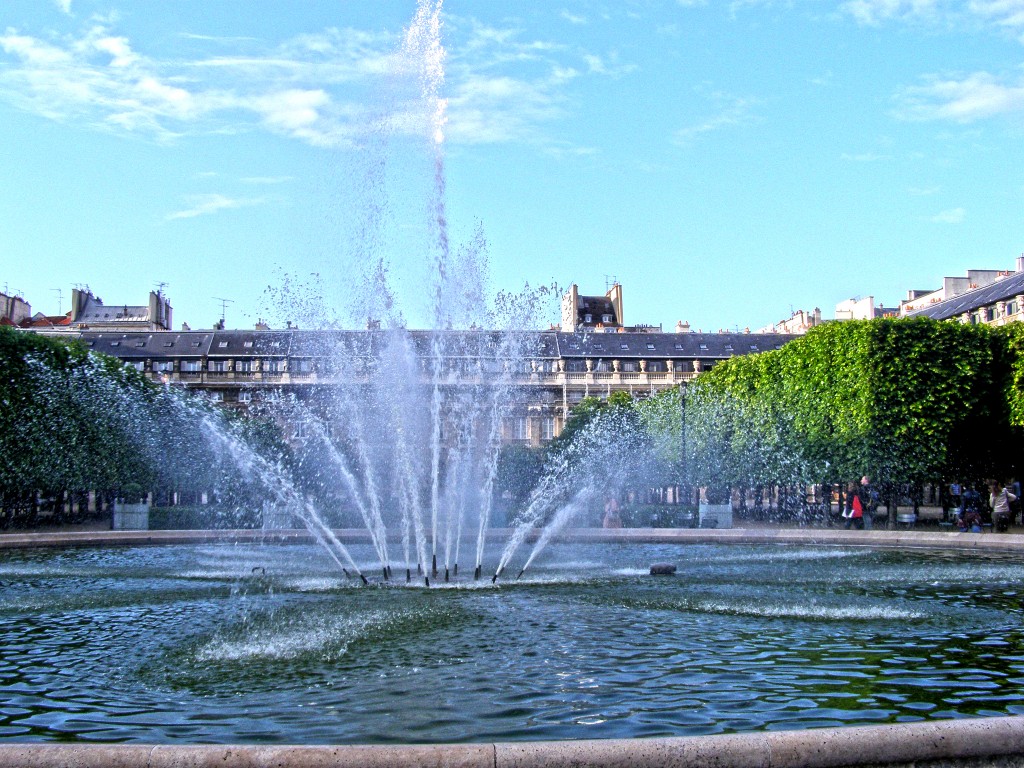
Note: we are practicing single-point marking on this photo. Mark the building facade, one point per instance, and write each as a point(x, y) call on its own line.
point(548, 373)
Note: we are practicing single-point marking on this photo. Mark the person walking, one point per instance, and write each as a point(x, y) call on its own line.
point(854, 511)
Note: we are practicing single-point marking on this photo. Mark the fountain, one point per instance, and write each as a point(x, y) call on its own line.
point(292, 643)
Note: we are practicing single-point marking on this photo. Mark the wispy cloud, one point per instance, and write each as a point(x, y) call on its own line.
point(961, 99)
point(503, 85)
point(574, 18)
point(864, 157)
point(731, 111)
point(924, 191)
point(267, 179)
point(1000, 15)
point(951, 216)
point(64, 5)
point(202, 205)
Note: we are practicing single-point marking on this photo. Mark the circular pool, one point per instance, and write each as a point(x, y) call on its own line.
point(229, 643)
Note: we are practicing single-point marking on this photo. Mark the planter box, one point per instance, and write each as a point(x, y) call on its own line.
point(130, 517)
point(715, 515)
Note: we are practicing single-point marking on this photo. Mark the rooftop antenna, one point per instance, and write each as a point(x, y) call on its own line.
point(60, 300)
point(223, 307)
point(160, 288)
point(609, 281)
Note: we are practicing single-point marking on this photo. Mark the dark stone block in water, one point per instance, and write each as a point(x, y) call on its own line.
point(662, 569)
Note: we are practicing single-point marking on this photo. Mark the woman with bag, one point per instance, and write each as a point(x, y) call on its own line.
point(854, 512)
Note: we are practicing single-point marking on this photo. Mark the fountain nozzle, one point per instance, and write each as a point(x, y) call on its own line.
point(385, 569)
point(456, 571)
point(408, 575)
point(445, 575)
point(426, 580)
point(494, 579)
point(347, 574)
point(364, 579)
point(520, 574)
point(433, 565)
point(476, 573)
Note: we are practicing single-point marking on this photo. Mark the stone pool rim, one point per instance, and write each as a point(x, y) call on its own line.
point(973, 742)
point(909, 539)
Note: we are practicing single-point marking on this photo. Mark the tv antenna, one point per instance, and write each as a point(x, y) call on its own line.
point(60, 300)
point(160, 288)
point(223, 307)
point(609, 281)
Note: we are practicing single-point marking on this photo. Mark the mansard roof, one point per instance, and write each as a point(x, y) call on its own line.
point(537, 344)
point(1001, 290)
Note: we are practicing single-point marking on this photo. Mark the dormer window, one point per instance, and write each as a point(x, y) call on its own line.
point(606, 318)
point(588, 318)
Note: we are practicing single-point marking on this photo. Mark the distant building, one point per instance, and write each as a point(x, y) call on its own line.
point(14, 310)
point(951, 288)
point(997, 302)
point(601, 314)
point(799, 323)
point(863, 309)
point(89, 312)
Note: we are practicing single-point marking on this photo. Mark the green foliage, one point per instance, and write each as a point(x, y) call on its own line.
point(899, 400)
point(74, 422)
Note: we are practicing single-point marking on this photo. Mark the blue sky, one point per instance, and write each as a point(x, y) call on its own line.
point(726, 162)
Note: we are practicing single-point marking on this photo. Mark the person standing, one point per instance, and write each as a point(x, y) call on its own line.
point(1000, 499)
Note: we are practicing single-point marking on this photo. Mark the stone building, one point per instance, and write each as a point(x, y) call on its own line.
point(547, 375)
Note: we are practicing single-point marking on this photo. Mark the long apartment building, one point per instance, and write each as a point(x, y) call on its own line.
point(548, 373)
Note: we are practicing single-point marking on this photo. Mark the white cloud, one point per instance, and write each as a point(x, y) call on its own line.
point(951, 216)
point(1005, 15)
point(64, 5)
point(202, 205)
point(962, 99)
point(864, 157)
point(731, 111)
point(573, 18)
point(503, 86)
point(924, 191)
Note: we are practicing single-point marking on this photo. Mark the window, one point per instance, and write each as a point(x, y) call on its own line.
point(623, 346)
point(245, 396)
point(115, 343)
point(728, 348)
point(588, 318)
point(277, 366)
point(518, 428)
point(679, 346)
point(606, 318)
point(1011, 307)
point(243, 366)
point(191, 366)
point(140, 343)
point(247, 345)
point(222, 344)
point(168, 343)
point(217, 396)
point(703, 347)
point(547, 428)
point(630, 366)
point(218, 366)
point(302, 366)
point(163, 366)
point(650, 346)
point(138, 366)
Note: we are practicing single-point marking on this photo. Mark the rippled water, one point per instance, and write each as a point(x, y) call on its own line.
point(191, 644)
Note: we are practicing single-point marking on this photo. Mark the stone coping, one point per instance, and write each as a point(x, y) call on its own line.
point(969, 742)
point(980, 542)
